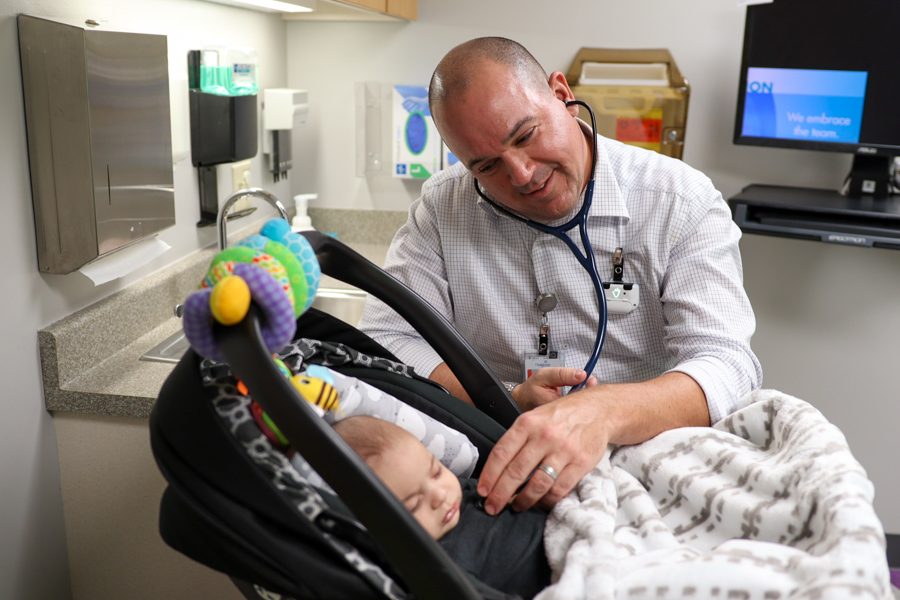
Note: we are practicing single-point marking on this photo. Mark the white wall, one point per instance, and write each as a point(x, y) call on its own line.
point(815, 339)
point(828, 316)
point(704, 36)
point(33, 562)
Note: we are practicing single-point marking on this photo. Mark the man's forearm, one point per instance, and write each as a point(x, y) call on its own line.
point(571, 433)
point(640, 411)
point(636, 411)
point(444, 376)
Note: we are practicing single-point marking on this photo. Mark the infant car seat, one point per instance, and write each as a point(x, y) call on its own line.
point(234, 504)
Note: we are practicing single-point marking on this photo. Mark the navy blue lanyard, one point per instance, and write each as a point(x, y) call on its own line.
point(586, 260)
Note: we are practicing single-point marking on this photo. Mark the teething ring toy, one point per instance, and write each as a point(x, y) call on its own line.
point(277, 325)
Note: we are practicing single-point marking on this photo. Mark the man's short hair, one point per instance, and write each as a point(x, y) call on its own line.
point(453, 74)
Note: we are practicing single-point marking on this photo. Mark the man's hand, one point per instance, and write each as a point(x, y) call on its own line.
point(571, 433)
point(546, 385)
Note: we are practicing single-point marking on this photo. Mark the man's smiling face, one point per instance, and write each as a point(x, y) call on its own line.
point(521, 143)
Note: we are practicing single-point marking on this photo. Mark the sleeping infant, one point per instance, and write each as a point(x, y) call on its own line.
point(426, 487)
point(505, 551)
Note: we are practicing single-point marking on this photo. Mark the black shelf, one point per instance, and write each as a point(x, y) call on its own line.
point(818, 215)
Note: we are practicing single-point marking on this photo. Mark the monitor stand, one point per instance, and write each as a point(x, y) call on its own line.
point(870, 175)
point(818, 214)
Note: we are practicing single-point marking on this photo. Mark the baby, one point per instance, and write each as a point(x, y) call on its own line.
point(426, 487)
point(504, 551)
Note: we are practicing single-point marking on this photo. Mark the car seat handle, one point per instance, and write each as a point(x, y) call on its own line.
point(338, 260)
point(405, 542)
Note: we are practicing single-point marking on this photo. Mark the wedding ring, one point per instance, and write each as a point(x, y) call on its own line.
point(549, 471)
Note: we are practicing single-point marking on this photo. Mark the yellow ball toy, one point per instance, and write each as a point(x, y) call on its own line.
point(230, 300)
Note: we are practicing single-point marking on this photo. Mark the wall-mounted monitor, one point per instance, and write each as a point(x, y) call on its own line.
point(824, 75)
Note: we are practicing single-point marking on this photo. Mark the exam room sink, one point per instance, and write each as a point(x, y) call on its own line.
point(170, 350)
point(346, 305)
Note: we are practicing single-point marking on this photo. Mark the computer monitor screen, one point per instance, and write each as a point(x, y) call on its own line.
point(821, 75)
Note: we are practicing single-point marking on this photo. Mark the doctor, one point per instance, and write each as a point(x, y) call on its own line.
point(680, 358)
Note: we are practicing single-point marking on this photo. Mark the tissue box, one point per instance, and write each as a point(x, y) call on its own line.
point(416, 143)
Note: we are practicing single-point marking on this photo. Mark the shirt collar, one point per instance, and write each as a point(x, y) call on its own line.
point(608, 201)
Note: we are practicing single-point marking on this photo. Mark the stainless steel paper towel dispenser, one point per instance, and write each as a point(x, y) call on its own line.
point(99, 139)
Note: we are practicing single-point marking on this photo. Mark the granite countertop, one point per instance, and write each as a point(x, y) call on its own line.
point(90, 359)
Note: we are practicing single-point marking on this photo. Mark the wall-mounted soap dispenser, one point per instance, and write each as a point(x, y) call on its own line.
point(222, 82)
point(282, 109)
point(99, 139)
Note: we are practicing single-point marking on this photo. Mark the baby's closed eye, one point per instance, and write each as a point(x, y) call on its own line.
point(414, 503)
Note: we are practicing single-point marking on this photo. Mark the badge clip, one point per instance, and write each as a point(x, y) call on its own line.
point(544, 356)
point(622, 296)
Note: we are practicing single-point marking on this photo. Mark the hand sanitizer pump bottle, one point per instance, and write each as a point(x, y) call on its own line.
point(301, 221)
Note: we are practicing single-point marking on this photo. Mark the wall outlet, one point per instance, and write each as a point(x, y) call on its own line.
point(240, 178)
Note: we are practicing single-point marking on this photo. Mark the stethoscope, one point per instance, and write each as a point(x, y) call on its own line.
point(587, 260)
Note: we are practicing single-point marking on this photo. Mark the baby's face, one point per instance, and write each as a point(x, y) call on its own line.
point(426, 487)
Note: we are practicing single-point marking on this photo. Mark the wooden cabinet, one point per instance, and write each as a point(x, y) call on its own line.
point(405, 9)
point(359, 10)
point(379, 5)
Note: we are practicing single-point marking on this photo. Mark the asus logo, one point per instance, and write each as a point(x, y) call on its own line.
point(866, 150)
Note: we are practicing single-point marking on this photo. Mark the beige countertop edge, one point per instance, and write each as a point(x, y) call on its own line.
point(97, 333)
point(102, 404)
point(121, 384)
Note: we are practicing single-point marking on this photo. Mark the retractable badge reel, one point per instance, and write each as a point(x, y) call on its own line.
point(544, 356)
point(622, 296)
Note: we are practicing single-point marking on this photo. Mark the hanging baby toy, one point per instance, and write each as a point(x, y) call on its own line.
point(277, 269)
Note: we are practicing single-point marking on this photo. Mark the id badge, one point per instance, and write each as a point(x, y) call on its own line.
point(534, 361)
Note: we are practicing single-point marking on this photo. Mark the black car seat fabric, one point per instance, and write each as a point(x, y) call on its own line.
point(317, 325)
point(254, 518)
point(228, 508)
point(235, 505)
point(382, 373)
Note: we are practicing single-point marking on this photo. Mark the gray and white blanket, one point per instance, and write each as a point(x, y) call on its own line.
point(768, 504)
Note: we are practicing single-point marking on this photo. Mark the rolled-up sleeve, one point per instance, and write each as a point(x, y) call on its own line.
point(709, 320)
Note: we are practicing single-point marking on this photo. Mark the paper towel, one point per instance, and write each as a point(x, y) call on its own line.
point(124, 261)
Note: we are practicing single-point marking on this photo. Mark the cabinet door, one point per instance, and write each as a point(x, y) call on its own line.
point(405, 9)
point(379, 5)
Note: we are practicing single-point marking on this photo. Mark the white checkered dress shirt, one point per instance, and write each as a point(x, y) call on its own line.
point(483, 271)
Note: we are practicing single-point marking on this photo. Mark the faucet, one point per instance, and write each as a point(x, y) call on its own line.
point(259, 193)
